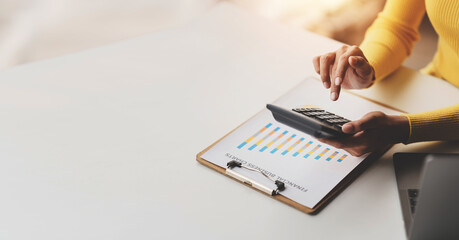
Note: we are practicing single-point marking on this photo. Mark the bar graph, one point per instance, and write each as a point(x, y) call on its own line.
point(332, 156)
point(342, 158)
point(322, 153)
point(312, 151)
point(302, 149)
point(283, 143)
point(255, 135)
point(273, 141)
point(264, 138)
point(291, 145)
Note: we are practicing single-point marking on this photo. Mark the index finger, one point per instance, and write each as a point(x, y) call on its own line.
point(336, 82)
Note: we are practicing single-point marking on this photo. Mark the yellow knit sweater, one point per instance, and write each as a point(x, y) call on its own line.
point(389, 41)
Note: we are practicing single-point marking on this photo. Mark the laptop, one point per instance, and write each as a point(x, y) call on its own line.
point(428, 187)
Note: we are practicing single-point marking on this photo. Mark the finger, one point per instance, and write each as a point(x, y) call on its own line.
point(361, 66)
point(369, 121)
point(334, 91)
point(360, 150)
point(335, 88)
point(333, 142)
point(343, 64)
point(356, 140)
point(316, 63)
point(325, 62)
point(356, 152)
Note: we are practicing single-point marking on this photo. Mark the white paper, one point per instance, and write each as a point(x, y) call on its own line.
point(309, 168)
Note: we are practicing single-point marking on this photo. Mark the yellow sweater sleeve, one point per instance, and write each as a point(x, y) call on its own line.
point(441, 124)
point(387, 43)
point(391, 37)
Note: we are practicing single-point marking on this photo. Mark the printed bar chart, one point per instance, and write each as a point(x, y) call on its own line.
point(322, 153)
point(264, 138)
point(283, 143)
point(302, 149)
point(273, 141)
point(254, 136)
point(291, 145)
point(332, 156)
point(342, 158)
point(312, 151)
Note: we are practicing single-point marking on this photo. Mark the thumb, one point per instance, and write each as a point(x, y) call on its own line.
point(361, 66)
point(369, 121)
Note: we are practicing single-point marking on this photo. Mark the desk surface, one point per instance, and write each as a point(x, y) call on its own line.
point(101, 144)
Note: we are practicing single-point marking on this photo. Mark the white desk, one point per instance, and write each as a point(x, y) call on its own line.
point(102, 144)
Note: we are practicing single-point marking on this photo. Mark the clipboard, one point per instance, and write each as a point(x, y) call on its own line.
point(327, 199)
point(274, 193)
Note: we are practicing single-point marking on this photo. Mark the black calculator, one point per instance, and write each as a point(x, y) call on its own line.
point(311, 120)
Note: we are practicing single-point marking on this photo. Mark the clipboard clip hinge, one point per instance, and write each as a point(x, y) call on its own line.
point(229, 171)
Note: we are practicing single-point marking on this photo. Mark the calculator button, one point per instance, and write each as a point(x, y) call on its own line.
point(332, 121)
point(313, 113)
point(324, 117)
point(311, 110)
point(413, 193)
point(314, 109)
point(329, 116)
point(341, 120)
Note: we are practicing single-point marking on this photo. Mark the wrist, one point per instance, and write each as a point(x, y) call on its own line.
point(400, 126)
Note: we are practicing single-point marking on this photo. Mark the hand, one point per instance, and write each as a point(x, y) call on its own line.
point(374, 131)
point(346, 67)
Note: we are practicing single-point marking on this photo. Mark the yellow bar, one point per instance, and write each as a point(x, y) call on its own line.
point(249, 139)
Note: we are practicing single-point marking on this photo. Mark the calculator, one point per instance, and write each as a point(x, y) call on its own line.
point(311, 120)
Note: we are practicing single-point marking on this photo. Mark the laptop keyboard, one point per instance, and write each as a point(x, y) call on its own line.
point(413, 196)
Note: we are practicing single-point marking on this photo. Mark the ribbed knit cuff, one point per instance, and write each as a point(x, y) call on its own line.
point(441, 124)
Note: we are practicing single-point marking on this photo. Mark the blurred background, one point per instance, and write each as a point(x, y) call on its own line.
point(32, 30)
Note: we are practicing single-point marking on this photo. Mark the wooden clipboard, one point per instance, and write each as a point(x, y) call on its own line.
point(327, 199)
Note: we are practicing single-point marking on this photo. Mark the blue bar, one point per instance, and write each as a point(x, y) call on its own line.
point(252, 147)
point(263, 149)
point(306, 156)
point(274, 150)
point(242, 145)
point(295, 154)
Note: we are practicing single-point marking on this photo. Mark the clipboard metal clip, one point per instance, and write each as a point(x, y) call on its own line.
point(230, 172)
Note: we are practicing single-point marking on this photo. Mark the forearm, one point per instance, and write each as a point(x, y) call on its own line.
point(391, 37)
point(441, 124)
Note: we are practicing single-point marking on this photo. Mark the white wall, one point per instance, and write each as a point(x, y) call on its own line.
point(31, 30)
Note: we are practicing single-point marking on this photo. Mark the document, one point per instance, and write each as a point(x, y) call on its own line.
point(309, 169)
